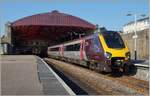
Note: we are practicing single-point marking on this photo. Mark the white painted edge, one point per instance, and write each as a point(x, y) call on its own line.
point(68, 89)
point(142, 65)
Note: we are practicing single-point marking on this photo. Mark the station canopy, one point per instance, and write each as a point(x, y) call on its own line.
point(53, 26)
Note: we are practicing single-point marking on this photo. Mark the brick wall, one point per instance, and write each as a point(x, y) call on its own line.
point(142, 44)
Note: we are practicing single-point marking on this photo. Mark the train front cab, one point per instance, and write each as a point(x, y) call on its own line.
point(116, 53)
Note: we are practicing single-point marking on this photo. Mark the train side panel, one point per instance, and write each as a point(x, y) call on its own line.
point(72, 54)
point(95, 53)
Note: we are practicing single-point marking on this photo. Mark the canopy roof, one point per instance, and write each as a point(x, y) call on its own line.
point(53, 26)
point(53, 18)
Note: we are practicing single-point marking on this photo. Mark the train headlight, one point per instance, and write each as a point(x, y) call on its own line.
point(128, 55)
point(107, 55)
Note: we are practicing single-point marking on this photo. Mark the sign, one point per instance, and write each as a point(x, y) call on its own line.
point(135, 36)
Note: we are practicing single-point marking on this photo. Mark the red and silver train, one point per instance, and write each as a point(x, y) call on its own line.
point(103, 51)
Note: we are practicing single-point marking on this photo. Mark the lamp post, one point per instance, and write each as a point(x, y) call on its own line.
point(135, 34)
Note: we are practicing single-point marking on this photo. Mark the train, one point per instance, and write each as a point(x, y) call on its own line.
point(102, 51)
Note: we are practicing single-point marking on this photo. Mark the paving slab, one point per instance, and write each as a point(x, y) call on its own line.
point(28, 75)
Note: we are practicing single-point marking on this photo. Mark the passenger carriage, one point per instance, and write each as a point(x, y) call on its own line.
point(103, 51)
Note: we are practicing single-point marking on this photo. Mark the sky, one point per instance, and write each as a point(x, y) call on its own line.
point(108, 13)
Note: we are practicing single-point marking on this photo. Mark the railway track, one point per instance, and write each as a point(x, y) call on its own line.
point(139, 85)
point(142, 72)
point(103, 84)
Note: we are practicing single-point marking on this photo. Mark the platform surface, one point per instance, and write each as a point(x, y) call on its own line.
point(28, 75)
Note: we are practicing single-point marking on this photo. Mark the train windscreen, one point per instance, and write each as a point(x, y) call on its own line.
point(113, 40)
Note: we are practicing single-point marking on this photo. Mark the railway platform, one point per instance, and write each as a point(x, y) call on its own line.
point(30, 75)
point(144, 63)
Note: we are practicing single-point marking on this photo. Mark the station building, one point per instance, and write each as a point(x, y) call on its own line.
point(142, 40)
point(33, 34)
point(142, 24)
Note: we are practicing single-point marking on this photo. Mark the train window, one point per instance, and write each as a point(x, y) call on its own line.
point(96, 41)
point(69, 48)
point(113, 40)
point(55, 49)
point(77, 47)
point(65, 48)
point(96, 44)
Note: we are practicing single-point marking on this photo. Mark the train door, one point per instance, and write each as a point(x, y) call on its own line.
point(93, 48)
point(81, 49)
point(97, 48)
point(89, 48)
point(61, 50)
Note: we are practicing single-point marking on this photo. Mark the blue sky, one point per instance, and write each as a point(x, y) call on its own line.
point(108, 13)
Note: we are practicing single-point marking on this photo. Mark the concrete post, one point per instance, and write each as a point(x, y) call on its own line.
point(8, 37)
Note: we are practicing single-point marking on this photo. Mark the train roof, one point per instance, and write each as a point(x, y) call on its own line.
point(75, 40)
point(78, 40)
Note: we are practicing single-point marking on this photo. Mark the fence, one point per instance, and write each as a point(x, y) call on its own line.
point(142, 44)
